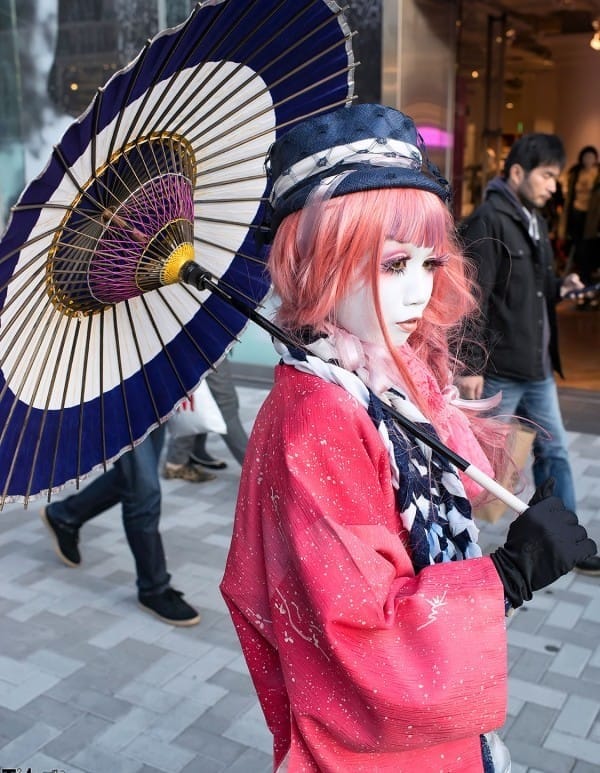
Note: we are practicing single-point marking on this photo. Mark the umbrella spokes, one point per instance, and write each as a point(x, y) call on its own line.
point(99, 337)
point(129, 230)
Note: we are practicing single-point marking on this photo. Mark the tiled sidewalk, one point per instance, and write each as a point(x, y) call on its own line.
point(89, 683)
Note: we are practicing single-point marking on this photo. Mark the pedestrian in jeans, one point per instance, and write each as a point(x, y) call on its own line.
point(507, 240)
point(133, 481)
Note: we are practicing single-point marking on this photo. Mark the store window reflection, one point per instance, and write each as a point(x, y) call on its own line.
point(54, 54)
point(11, 150)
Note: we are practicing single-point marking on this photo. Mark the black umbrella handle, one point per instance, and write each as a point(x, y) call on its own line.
point(197, 276)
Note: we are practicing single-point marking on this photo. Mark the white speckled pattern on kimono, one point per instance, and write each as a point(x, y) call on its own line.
point(358, 664)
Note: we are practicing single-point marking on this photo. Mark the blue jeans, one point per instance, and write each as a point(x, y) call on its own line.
point(538, 402)
point(133, 481)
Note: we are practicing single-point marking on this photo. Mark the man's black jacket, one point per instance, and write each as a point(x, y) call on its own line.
point(516, 279)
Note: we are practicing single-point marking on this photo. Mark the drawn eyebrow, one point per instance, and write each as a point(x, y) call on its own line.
point(406, 250)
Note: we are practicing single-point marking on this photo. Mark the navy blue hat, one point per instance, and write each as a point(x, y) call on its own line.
point(373, 145)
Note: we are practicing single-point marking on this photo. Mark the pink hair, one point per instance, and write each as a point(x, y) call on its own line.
point(312, 278)
point(319, 252)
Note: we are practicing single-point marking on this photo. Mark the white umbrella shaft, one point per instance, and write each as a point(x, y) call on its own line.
point(493, 487)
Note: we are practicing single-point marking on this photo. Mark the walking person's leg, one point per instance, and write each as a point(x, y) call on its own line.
point(551, 457)
point(141, 504)
point(65, 518)
point(220, 383)
point(512, 392)
point(538, 402)
point(177, 462)
point(551, 454)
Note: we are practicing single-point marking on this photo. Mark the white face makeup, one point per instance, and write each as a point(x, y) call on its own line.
point(405, 287)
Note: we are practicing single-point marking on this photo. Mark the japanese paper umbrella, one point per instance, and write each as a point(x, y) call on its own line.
point(99, 337)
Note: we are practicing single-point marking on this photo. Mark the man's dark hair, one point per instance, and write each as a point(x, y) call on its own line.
point(533, 150)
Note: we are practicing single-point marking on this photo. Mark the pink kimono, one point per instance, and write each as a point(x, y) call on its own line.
point(359, 664)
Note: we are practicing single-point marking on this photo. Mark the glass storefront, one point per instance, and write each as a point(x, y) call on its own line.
point(54, 54)
point(12, 160)
point(418, 74)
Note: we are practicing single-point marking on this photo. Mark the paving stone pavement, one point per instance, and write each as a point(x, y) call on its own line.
point(89, 683)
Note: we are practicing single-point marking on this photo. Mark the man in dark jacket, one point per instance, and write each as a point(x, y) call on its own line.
point(515, 349)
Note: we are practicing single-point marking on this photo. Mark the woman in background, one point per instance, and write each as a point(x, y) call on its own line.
point(583, 178)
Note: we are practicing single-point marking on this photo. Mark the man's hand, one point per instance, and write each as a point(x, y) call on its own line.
point(570, 284)
point(187, 405)
point(470, 387)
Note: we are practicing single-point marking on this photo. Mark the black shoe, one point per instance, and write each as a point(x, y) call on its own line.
point(169, 607)
point(65, 537)
point(208, 461)
point(589, 566)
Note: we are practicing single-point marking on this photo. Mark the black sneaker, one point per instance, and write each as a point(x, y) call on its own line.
point(589, 566)
point(169, 607)
point(65, 538)
point(208, 461)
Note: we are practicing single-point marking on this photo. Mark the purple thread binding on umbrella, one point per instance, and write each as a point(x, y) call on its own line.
point(113, 269)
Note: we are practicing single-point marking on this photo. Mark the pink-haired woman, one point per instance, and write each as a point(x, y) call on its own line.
point(373, 627)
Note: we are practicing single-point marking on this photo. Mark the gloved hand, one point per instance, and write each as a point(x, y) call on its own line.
point(543, 492)
point(542, 544)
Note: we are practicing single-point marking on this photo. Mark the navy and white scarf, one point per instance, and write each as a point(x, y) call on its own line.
point(430, 496)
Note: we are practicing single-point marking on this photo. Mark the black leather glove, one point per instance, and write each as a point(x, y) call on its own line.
point(543, 491)
point(543, 543)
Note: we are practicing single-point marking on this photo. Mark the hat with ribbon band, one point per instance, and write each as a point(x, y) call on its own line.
point(367, 145)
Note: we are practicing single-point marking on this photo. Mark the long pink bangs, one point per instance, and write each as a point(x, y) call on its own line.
point(421, 218)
